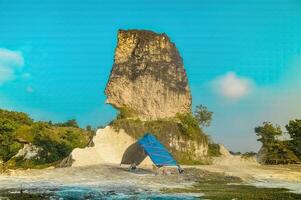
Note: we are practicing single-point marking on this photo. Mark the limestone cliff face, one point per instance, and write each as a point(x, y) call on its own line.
point(148, 76)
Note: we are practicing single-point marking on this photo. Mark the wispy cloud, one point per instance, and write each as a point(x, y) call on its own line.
point(232, 86)
point(10, 62)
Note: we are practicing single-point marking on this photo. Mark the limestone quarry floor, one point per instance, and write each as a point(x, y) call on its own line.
point(122, 183)
point(98, 180)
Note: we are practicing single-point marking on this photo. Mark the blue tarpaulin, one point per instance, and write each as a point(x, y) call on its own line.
point(156, 151)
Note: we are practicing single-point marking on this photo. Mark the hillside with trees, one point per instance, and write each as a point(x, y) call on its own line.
point(279, 151)
point(25, 143)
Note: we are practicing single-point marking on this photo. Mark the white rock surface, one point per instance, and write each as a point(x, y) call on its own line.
point(224, 152)
point(109, 147)
point(28, 151)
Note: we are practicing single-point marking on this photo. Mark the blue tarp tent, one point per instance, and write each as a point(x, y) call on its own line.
point(148, 145)
point(156, 151)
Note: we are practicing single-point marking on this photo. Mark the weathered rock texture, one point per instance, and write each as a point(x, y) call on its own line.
point(148, 76)
point(28, 152)
point(109, 147)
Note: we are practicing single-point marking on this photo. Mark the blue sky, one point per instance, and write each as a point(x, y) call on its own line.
point(243, 58)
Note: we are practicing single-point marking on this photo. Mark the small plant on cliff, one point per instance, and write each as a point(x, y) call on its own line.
point(203, 116)
point(125, 112)
point(189, 125)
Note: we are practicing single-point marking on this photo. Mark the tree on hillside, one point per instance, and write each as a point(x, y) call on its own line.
point(294, 130)
point(89, 128)
point(17, 117)
point(71, 123)
point(274, 151)
point(267, 133)
point(8, 147)
point(203, 116)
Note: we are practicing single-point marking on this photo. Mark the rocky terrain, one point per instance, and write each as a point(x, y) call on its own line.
point(149, 86)
point(148, 76)
point(109, 147)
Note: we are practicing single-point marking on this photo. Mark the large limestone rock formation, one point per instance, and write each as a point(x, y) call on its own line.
point(148, 76)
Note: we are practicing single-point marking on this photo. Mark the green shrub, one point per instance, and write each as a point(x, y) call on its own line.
point(294, 130)
point(69, 123)
point(189, 125)
point(52, 151)
point(16, 117)
point(125, 112)
point(213, 150)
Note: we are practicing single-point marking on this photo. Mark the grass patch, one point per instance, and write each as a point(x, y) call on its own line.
point(217, 186)
point(6, 195)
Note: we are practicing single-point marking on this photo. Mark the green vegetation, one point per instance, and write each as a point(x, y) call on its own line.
point(213, 150)
point(268, 133)
point(181, 128)
point(167, 131)
point(69, 123)
point(235, 153)
point(294, 130)
point(6, 195)
point(125, 113)
point(217, 186)
point(189, 126)
point(274, 150)
point(203, 116)
point(52, 141)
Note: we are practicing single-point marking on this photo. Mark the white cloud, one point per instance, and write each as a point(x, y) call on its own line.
point(232, 86)
point(10, 62)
